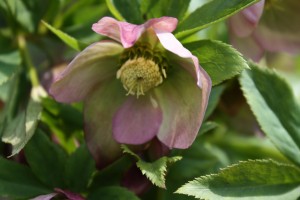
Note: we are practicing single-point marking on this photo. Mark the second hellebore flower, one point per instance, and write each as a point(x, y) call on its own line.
point(269, 25)
point(142, 85)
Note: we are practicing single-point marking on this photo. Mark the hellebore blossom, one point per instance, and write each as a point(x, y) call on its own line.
point(140, 85)
point(269, 25)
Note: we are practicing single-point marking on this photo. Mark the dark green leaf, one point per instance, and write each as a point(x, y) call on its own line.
point(210, 13)
point(113, 192)
point(129, 9)
point(17, 181)
point(9, 65)
point(172, 8)
point(80, 162)
point(155, 171)
point(22, 128)
point(219, 60)
point(255, 179)
point(275, 108)
point(68, 40)
point(46, 159)
point(214, 98)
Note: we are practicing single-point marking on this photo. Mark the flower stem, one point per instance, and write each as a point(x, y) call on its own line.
point(27, 60)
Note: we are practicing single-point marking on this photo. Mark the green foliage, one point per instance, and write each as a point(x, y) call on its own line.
point(113, 192)
point(46, 159)
point(9, 66)
point(219, 60)
point(130, 11)
point(21, 129)
point(172, 8)
point(68, 40)
point(275, 108)
point(155, 171)
point(254, 179)
point(18, 181)
point(79, 168)
point(210, 13)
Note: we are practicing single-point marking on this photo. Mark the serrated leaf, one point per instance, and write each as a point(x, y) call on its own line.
point(219, 60)
point(9, 65)
point(155, 171)
point(254, 179)
point(17, 181)
point(67, 39)
point(275, 108)
point(46, 159)
point(22, 128)
point(113, 192)
point(172, 8)
point(80, 162)
point(129, 9)
point(210, 13)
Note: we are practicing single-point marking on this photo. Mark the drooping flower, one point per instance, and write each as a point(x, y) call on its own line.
point(142, 85)
point(269, 25)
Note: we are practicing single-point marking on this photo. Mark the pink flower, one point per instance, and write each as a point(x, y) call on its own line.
point(266, 26)
point(142, 85)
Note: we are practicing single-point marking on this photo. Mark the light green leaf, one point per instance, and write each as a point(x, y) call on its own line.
point(68, 40)
point(17, 181)
point(46, 159)
point(219, 60)
point(275, 108)
point(113, 192)
point(80, 162)
point(254, 179)
point(22, 128)
point(155, 171)
point(129, 9)
point(172, 8)
point(210, 13)
point(9, 66)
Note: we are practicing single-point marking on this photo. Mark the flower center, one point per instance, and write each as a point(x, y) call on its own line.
point(138, 75)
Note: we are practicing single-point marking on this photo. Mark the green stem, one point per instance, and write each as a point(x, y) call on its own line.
point(27, 60)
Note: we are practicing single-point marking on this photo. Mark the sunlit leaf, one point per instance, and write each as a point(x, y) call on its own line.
point(255, 179)
point(275, 108)
point(219, 60)
point(155, 171)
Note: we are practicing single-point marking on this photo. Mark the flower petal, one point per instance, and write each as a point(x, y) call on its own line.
point(243, 23)
point(170, 43)
point(137, 121)
point(93, 65)
point(45, 197)
point(248, 46)
point(127, 33)
point(99, 109)
point(69, 195)
point(183, 104)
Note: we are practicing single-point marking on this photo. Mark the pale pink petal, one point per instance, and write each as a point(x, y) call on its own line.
point(243, 23)
point(183, 104)
point(170, 43)
point(248, 46)
point(95, 64)
point(99, 108)
point(69, 195)
point(45, 197)
point(137, 121)
point(127, 33)
point(274, 41)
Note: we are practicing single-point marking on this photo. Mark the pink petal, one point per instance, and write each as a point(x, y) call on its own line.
point(243, 23)
point(99, 108)
point(127, 33)
point(69, 195)
point(137, 121)
point(248, 46)
point(93, 65)
point(183, 104)
point(170, 43)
